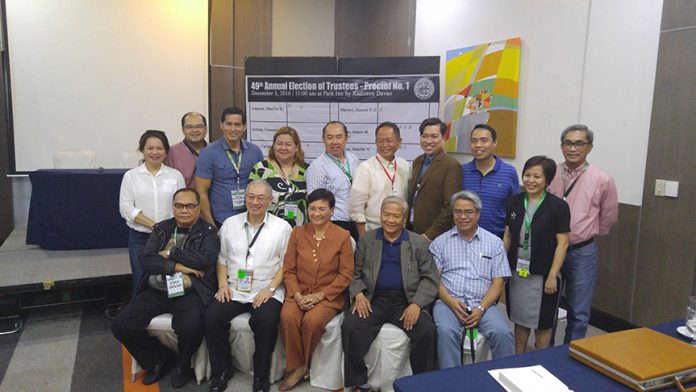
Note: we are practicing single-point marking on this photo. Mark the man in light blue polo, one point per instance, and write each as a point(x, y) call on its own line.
point(223, 168)
point(473, 266)
point(493, 180)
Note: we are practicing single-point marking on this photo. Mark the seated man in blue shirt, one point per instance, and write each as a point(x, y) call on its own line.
point(493, 180)
point(223, 168)
point(473, 266)
point(395, 281)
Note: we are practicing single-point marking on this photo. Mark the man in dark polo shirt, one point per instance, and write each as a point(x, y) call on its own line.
point(395, 279)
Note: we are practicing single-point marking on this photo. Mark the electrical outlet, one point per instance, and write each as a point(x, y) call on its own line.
point(660, 186)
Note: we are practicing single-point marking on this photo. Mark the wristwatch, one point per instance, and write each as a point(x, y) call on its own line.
point(272, 290)
point(482, 308)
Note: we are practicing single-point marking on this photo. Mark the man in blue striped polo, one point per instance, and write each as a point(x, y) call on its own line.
point(489, 177)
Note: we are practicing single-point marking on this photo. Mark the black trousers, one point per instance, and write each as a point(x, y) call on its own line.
point(263, 322)
point(187, 321)
point(350, 226)
point(358, 334)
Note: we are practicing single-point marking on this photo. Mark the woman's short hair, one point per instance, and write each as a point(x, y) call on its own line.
point(322, 194)
point(299, 154)
point(156, 134)
point(548, 166)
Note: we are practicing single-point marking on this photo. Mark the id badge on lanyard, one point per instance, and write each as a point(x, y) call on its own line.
point(291, 210)
point(237, 198)
point(245, 280)
point(175, 285)
point(522, 268)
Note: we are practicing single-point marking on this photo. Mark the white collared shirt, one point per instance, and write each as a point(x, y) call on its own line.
point(266, 255)
point(141, 191)
point(371, 185)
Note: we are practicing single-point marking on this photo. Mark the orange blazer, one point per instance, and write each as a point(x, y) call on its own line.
point(332, 270)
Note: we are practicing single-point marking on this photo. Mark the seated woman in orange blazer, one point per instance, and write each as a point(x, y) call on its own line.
point(318, 268)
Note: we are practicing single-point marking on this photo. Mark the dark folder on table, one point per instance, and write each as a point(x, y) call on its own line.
point(642, 359)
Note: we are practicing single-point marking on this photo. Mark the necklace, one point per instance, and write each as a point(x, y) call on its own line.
point(287, 176)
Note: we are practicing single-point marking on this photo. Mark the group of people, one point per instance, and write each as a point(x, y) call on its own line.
point(429, 247)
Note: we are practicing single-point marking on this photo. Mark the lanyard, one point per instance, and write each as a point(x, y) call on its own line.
point(340, 166)
point(236, 165)
point(253, 240)
point(528, 222)
point(285, 178)
point(572, 185)
point(386, 172)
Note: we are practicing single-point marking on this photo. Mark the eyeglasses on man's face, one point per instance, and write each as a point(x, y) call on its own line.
point(260, 198)
point(180, 206)
point(190, 127)
point(468, 213)
point(578, 144)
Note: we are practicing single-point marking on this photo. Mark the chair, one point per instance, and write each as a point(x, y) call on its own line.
point(326, 369)
point(161, 328)
point(481, 348)
point(387, 359)
point(75, 159)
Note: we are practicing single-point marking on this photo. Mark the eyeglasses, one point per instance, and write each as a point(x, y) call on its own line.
point(180, 206)
point(467, 213)
point(190, 127)
point(567, 144)
point(259, 198)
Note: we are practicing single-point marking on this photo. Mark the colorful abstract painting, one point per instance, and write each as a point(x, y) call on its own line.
point(481, 85)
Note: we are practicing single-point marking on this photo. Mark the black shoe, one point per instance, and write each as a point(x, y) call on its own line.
point(180, 376)
point(261, 385)
point(219, 383)
point(156, 373)
point(112, 311)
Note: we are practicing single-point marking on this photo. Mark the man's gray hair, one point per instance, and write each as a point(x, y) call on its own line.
point(578, 127)
point(467, 195)
point(267, 186)
point(393, 199)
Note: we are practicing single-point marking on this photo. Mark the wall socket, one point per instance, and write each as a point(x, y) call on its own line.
point(660, 186)
point(666, 188)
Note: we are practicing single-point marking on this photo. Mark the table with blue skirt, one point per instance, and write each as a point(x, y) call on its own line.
point(76, 209)
point(556, 360)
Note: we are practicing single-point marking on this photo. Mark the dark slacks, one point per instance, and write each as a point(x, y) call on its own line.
point(263, 322)
point(187, 321)
point(358, 334)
